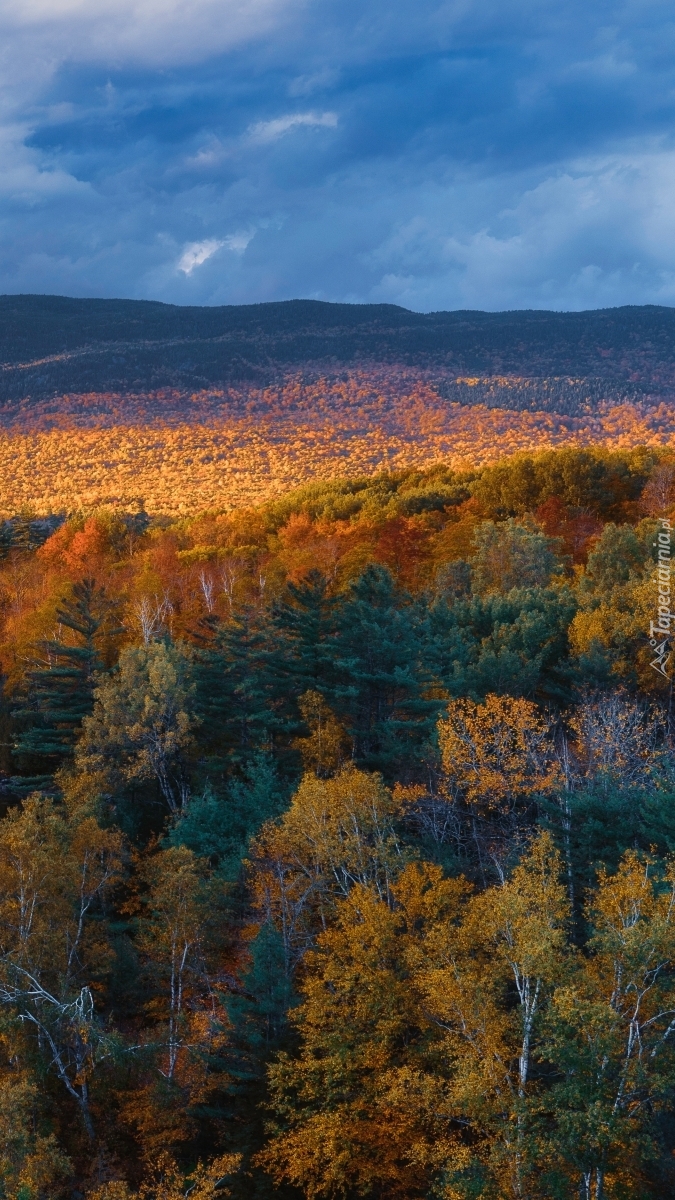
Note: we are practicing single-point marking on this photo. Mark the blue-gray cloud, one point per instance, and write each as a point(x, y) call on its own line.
point(476, 153)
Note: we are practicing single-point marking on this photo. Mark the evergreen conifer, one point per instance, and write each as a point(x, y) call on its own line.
point(61, 683)
point(237, 693)
point(381, 677)
point(305, 622)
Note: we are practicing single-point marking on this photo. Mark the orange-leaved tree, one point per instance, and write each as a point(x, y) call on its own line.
point(181, 943)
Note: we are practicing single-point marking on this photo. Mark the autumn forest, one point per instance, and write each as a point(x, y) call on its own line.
point(336, 856)
point(337, 764)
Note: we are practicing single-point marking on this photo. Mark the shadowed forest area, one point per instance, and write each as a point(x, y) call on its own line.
point(51, 345)
point(336, 856)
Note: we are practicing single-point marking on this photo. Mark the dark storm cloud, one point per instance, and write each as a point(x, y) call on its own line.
point(433, 155)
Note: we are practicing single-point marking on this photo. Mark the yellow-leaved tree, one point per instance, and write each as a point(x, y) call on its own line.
point(496, 751)
point(487, 986)
point(337, 833)
point(610, 1030)
point(32, 1164)
point(497, 757)
point(166, 1181)
point(361, 1111)
point(326, 749)
point(460, 1044)
point(141, 726)
point(56, 867)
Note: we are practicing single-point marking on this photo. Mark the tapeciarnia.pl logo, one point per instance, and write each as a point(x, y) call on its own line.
point(659, 630)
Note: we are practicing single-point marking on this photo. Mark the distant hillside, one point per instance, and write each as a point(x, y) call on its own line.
point(563, 362)
point(117, 401)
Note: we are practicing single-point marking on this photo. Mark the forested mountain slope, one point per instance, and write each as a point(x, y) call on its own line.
point(117, 401)
point(336, 842)
point(337, 821)
point(53, 344)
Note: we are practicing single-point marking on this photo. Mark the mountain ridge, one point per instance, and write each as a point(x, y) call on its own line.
point(51, 345)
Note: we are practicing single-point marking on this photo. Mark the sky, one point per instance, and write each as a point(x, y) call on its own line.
point(481, 154)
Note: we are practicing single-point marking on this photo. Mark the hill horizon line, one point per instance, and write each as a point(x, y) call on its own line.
point(382, 306)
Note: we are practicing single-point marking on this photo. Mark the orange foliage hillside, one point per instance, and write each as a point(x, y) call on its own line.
point(182, 453)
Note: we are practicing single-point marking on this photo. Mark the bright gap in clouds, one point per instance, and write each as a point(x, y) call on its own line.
point(489, 154)
point(269, 131)
point(197, 253)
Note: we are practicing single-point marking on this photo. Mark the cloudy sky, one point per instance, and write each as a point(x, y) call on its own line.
point(463, 154)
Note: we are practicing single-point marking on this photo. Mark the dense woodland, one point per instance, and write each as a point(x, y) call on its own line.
point(240, 445)
point(337, 849)
point(51, 345)
point(113, 402)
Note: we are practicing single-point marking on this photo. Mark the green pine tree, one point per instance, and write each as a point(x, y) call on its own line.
point(305, 622)
point(219, 827)
point(260, 1011)
point(381, 674)
point(510, 645)
point(237, 692)
point(259, 1029)
point(60, 686)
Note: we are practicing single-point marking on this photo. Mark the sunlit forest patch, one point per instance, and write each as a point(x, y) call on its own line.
point(182, 452)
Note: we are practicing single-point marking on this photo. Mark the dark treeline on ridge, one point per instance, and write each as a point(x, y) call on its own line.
point(336, 855)
point(134, 345)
